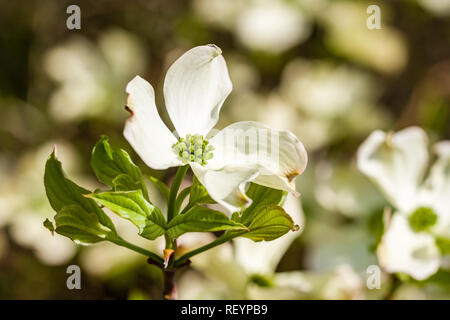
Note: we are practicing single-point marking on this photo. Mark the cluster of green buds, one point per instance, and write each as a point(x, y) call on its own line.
point(193, 148)
point(422, 219)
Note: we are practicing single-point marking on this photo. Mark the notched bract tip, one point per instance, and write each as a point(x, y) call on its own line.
point(129, 110)
point(292, 174)
point(218, 51)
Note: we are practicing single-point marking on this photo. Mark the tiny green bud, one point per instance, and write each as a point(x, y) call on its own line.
point(198, 160)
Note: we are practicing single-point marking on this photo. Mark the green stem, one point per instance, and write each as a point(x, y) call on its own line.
point(222, 239)
point(169, 242)
point(183, 194)
point(122, 242)
point(174, 191)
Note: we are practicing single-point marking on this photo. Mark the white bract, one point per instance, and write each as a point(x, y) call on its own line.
point(195, 88)
point(397, 163)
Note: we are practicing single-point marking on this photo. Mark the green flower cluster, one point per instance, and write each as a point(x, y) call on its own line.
point(194, 148)
point(422, 219)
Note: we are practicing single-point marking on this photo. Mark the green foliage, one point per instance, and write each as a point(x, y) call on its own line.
point(62, 192)
point(269, 223)
point(81, 226)
point(131, 205)
point(165, 191)
point(180, 199)
point(201, 219)
point(79, 217)
point(261, 196)
point(114, 167)
point(265, 218)
point(198, 193)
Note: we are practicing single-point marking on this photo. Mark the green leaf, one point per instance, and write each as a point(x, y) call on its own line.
point(49, 225)
point(261, 196)
point(201, 219)
point(62, 192)
point(165, 191)
point(132, 205)
point(198, 193)
point(176, 183)
point(81, 226)
point(153, 230)
point(180, 199)
point(124, 182)
point(114, 167)
point(269, 223)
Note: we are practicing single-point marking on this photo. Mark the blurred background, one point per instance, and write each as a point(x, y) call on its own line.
point(310, 66)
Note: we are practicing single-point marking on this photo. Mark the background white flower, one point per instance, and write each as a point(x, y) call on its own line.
point(397, 163)
point(403, 250)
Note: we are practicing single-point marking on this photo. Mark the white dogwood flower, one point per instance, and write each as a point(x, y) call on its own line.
point(397, 163)
point(403, 250)
point(195, 88)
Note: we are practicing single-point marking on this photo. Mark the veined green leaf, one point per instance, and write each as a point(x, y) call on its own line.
point(269, 223)
point(114, 167)
point(201, 219)
point(132, 205)
point(81, 226)
point(261, 196)
point(62, 192)
point(153, 230)
point(123, 182)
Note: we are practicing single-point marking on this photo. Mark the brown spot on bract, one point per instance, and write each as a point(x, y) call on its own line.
point(129, 110)
point(292, 174)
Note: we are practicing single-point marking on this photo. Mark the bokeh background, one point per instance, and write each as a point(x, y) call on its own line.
point(310, 66)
